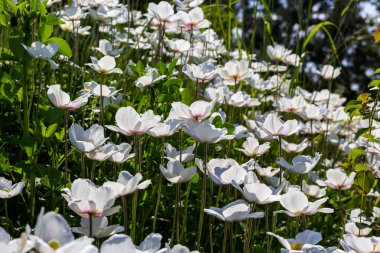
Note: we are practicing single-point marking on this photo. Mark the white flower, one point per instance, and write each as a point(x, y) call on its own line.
point(178, 45)
point(106, 48)
point(252, 147)
point(9, 190)
point(304, 242)
point(294, 148)
point(337, 179)
point(39, 51)
point(296, 204)
point(165, 129)
point(193, 20)
point(278, 52)
point(152, 76)
point(100, 228)
point(62, 100)
point(52, 234)
point(258, 193)
point(86, 199)
point(106, 65)
point(86, 140)
point(127, 184)
point(328, 72)
point(197, 111)
point(19, 245)
point(274, 126)
point(103, 152)
point(178, 248)
point(124, 244)
point(294, 104)
point(313, 190)
point(176, 173)
point(225, 171)
point(163, 12)
point(206, 133)
point(353, 229)
point(172, 154)
point(122, 154)
point(202, 73)
point(238, 210)
point(352, 243)
point(129, 122)
point(235, 72)
point(300, 164)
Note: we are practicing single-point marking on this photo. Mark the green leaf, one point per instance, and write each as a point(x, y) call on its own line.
point(52, 19)
point(361, 132)
point(64, 47)
point(161, 67)
point(172, 67)
point(185, 96)
point(354, 153)
point(51, 130)
point(16, 47)
point(45, 32)
point(19, 94)
point(361, 167)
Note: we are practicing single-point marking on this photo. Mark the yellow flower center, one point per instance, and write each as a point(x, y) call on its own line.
point(54, 244)
point(296, 246)
point(6, 189)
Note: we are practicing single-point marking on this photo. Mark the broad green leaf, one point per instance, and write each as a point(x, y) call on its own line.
point(51, 130)
point(64, 47)
point(45, 32)
point(361, 167)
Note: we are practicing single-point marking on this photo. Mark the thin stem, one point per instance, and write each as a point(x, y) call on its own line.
point(125, 216)
point(184, 220)
point(203, 199)
point(225, 237)
point(177, 203)
point(93, 170)
point(66, 146)
point(6, 214)
point(157, 203)
point(90, 221)
point(280, 146)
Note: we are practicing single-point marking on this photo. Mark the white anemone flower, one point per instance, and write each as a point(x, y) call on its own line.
point(106, 48)
point(197, 111)
point(172, 154)
point(274, 126)
point(162, 12)
point(41, 52)
point(62, 100)
point(294, 148)
point(122, 153)
point(234, 72)
point(175, 173)
point(278, 52)
point(165, 129)
point(193, 20)
point(296, 204)
point(252, 147)
point(328, 72)
point(19, 245)
point(337, 179)
point(124, 244)
point(313, 190)
point(353, 229)
point(127, 184)
point(52, 234)
point(151, 77)
point(86, 140)
point(202, 73)
point(179, 46)
point(103, 152)
point(352, 243)
point(225, 171)
point(86, 199)
point(100, 227)
point(294, 104)
point(206, 133)
point(304, 242)
point(129, 122)
point(300, 164)
point(9, 190)
point(106, 65)
point(259, 193)
point(238, 210)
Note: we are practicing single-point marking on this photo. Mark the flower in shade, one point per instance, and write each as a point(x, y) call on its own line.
point(296, 204)
point(100, 227)
point(103, 152)
point(175, 173)
point(39, 51)
point(62, 100)
point(172, 154)
point(127, 184)
point(122, 154)
point(9, 190)
point(238, 210)
point(86, 140)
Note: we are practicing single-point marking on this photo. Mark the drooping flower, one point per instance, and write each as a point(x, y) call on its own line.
point(62, 100)
point(238, 210)
point(127, 184)
point(86, 140)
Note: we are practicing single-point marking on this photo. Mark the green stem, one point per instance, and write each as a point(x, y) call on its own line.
point(125, 217)
point(203, 199)
point(90, 221)
point(225, 237)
